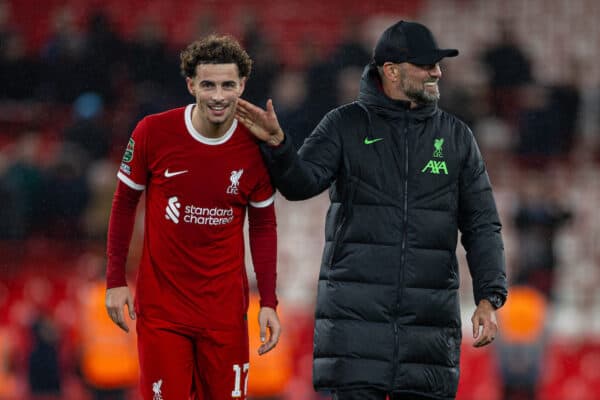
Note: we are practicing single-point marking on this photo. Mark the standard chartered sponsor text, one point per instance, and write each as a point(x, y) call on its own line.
point(208, 216)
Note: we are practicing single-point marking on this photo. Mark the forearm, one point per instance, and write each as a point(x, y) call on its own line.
point(300, 176)
point(120, 231)
point(262, 227)
point(480, 226)
point(485, 253)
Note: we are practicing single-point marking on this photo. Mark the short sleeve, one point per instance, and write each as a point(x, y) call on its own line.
point(263, 194)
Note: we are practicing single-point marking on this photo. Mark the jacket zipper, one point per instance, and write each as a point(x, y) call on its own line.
point(402, 256)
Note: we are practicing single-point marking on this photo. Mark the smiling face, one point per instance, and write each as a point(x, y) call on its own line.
point(216, 88)
point(415, 83)
point(420, 82)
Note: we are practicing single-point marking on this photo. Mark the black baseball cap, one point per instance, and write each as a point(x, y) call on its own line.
point(409, 42)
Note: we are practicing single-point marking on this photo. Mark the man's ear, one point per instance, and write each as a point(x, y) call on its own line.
point(242, 85)
point(391, 71)
point(190, 85)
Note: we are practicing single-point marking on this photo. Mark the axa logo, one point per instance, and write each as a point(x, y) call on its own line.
point(437, 166)
point(172, 209)
point(234, 178)
point(156, 389)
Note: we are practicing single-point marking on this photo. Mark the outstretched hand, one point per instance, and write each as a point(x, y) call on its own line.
point(268, 320)
point(262, 123)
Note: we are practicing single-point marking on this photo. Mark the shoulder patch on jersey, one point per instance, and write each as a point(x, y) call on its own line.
point(128, 156)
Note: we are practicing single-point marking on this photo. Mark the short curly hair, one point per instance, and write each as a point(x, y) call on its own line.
point(215, 49)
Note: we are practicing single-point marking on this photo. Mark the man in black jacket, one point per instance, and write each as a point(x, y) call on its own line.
point(404, 178)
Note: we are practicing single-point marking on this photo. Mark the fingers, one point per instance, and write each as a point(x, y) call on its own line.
point(270, 107)
point(484, 340)
point(116, 299)
point(263, 329)
point(268, 323)
point(272, 340)
point(248, 108)
point(484, 331)
point(475, 322)
point(242, 114)
point(116, 315)
point(130, 308)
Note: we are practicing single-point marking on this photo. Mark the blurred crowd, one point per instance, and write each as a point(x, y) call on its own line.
point(68, 102)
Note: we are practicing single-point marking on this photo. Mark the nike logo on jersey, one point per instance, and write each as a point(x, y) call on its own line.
point(175, 173)
point(371, 141)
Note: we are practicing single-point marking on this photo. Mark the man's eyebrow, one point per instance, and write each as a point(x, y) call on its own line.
point(228, 82)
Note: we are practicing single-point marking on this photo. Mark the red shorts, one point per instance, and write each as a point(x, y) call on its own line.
point(180, 363)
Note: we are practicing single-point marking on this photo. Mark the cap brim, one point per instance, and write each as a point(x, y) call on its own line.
point(433, 57)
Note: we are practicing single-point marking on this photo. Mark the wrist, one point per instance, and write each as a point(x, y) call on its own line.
point(277, 139)
point(495, 300)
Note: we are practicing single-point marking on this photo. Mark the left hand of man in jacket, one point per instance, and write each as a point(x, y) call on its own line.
point(262, 123)
point(484, 322)
point(268, 319)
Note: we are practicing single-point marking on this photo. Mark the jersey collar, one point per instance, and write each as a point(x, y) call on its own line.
point(201, 138)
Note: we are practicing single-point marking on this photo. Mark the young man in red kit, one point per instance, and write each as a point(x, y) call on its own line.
point(201, 171)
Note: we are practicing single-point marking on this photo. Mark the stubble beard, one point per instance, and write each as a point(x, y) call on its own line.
point(419, 95)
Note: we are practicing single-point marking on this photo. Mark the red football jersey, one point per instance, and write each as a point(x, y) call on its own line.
point(197, 190)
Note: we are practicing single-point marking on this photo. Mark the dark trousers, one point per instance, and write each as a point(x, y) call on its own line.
point(374, 394)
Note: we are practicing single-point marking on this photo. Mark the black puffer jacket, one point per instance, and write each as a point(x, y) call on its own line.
point(402, 183)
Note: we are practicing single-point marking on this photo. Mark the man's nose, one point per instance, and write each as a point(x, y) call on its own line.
point(218, 94)
point(436, 71)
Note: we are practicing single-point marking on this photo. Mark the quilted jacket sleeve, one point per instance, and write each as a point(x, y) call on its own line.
point(302, 175)
point(480, 225)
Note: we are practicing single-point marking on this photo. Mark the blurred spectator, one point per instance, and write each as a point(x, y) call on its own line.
point(105, 50)
point(148, 58)
point(148, 98)
point(87, 130)
point(22, 183)
point(44, 370)
point(63, 58)
point(321, 84)
point(262, 50)
point(353, 49)
point(547, 121)
point(465, 101)
point(537, 218)
point(6, 19)
point(508, 68)
point(538, 125)
point(347, 84)
point(566, 104)
point(289, 93)
point(19, 73)
point(67, 194)
point(521, 343)
point(101, 181)
point(205, 24)
point(12, 214)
